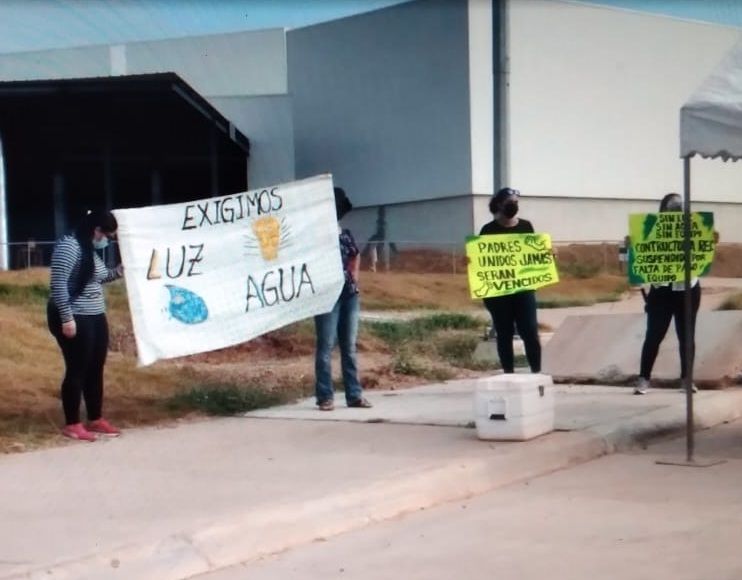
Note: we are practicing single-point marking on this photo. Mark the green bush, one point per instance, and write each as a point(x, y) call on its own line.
point(581, 270)
point(395, 333)
point(30, 295)
point(226, 400)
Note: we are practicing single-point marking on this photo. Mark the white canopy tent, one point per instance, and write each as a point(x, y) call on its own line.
point(710, 126)
point(711, 120)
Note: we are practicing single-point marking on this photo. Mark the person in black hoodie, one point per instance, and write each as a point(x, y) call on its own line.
point(514, 310)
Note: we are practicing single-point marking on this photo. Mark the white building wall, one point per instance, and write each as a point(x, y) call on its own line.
point(602, 220)
point(221, 65)
point(595, 95)
point(594, 99)
point(268, 124)
point(481, 95)
point(91, 61)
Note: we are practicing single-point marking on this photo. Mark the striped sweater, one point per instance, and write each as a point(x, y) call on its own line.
point(64, 268)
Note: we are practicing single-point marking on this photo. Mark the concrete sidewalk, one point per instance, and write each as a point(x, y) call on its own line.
point(171, 503)
point(611, 414)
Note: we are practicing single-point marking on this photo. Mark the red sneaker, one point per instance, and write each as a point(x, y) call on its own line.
point(103, 427)
point(77, 431)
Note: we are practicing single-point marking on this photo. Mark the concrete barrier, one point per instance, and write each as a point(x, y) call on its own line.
point(605, 349)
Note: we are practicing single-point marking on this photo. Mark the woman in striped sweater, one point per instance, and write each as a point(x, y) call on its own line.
point(76, 315)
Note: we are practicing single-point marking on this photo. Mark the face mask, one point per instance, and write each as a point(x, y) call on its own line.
point(672, 202)
point(100, 244)
point(510, 210)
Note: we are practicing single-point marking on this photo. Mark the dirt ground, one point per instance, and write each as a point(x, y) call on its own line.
point(596, 266)
point(286, 355)
point(30, 361)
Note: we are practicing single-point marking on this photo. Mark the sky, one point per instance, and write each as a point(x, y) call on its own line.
point(42, 24)
point(715, 11)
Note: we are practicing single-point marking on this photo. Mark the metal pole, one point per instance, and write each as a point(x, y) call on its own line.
point(4, 246)
point(688, 312)
point(501, 79)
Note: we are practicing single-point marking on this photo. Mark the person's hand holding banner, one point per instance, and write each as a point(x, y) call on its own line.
point(504, 264)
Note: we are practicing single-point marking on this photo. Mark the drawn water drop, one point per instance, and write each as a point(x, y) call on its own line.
point(186, 306)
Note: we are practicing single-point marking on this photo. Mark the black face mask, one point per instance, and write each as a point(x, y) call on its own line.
point(510, 210)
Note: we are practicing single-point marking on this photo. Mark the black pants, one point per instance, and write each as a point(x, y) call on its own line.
point(516, 310)
point(663, 305)
point(84, 359)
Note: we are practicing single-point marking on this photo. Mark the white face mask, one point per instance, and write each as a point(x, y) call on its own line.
point(100, 244)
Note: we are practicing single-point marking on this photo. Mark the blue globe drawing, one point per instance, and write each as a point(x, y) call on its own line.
point(186, 306)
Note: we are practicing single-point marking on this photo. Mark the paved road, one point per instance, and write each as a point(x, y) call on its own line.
point(623, 517)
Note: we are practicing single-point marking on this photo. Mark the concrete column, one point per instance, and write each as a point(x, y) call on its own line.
point(58, 192)
point(156, 185)
point(108, 176)
point(214, 163)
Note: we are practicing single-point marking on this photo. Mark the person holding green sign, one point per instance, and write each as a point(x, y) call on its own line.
point(513, 310)
point(664, 303)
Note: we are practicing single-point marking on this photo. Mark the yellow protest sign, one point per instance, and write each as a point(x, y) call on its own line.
point(655, 253)
point(505, 264)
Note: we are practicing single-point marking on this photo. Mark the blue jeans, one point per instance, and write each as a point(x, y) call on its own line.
point(341, 324)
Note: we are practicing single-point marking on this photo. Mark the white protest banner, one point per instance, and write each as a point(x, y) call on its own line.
point(209, 274)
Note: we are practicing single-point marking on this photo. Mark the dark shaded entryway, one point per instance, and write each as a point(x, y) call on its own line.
point(127, 141)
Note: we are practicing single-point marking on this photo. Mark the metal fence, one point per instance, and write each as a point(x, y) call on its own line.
point(577, 258)
point(38, 254)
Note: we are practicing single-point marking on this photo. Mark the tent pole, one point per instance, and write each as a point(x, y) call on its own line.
point(690, 332)
point(688, 312)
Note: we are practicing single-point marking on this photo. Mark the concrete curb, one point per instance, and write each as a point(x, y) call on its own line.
point(260, 532)
point(707, 412)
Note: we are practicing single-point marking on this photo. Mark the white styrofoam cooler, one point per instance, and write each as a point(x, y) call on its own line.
point(514, 407)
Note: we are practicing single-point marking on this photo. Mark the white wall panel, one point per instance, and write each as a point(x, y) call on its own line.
point(595, 95)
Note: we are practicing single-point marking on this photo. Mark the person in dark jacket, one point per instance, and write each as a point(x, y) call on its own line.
point(514, 310)
point(76, 316)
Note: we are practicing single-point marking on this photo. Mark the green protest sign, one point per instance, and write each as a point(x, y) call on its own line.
point(655, 253)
